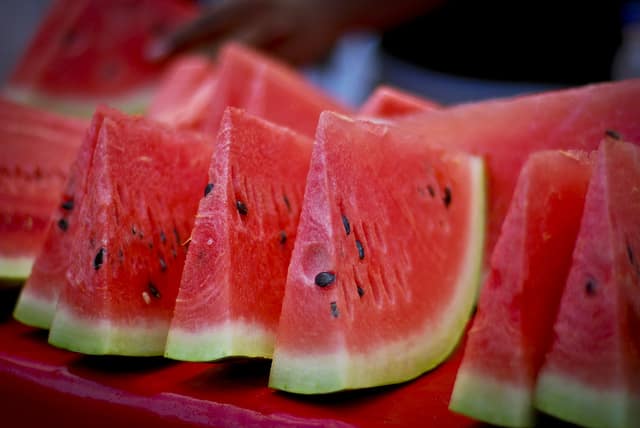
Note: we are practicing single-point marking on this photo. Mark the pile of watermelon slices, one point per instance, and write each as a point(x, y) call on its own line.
point(248, 214)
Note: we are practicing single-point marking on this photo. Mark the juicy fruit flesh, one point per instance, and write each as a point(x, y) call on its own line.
point(512, 328)
point(124, 268)
point(232, 287)
point(591, 374)
point(328, 334)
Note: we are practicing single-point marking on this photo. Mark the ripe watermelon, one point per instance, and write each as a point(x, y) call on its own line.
point(232, 287)
point(183, 93)
point(391, 103)
point(126, 257)
point(266, 88)
point(505, 132)
point(382, 279)
point(36, 151)
point(591, 375)
point(91, 51)
point(513, 325)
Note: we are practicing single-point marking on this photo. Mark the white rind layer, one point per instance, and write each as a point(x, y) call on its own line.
point(15, 268)
point(405, 358)
point(231, 339)
point(34, 310)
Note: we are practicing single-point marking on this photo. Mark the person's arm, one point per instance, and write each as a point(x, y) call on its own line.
point(298, 31)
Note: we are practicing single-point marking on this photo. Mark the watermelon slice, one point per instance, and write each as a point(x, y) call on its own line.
point(36, 152)
point(266, 88)
point(391, 103)
point(513, 325)
point(91, 51)
point(591, 375)
point(382, 280)
point(184, 92)
point(505, 132)
point(233, 283)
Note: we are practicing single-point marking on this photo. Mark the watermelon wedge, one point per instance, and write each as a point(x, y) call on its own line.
point(126, 256)
point(184, 92)
point(266, 88)
point(233, 282)
point(506, 131)
point(86, 52)
point(513, 326)
point(386, 266)
point(591, 375)
point(36, 152)
point(388, 102)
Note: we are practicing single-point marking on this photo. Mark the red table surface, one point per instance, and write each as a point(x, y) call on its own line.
point(41, 385)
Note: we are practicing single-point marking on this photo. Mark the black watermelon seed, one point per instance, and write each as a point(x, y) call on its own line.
point(133, 229)
point(334, 310)
point(163, 237)
point(431, 191)
point(99, 259)
point(590, 287)
point(345, 223)
point(63, 224)
point(242, 208)
point(208, 188)
point(630, 254)
point(286, 202)
point(283, 237)
point(67, 205)
point(447, 197)
point(360, 249)
point(613, 134)
point(150, 245)
point(153, 290)
point(360, 291)
point(163, 264)
point(176, 235)
point(325, 278)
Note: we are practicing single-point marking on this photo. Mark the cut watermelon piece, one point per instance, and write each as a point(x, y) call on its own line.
point(127, 252)
point(233, 283)
point(266, 88)
point(36, 152)
point(184, 92)
point(386, 266)
point(591, 375)
point(391, 103)
point(90, 51)
point(505, 132)
point(513, 325)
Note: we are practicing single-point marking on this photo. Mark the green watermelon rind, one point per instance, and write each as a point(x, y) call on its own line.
point(15, 268)
point(33, 310)
point(102, 337)
point(489, 400)
point(217, 342)
point(133, 102)
point(569, 399)
point(401, 360)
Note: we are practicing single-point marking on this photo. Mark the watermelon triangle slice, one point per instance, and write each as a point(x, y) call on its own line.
point(87, 52)
point(233, 282)
point(513, 326)
point(506, 131)
point(37, 151)
point(386, 266)
point(138, 194)
point(591, 374)
point(266, 88)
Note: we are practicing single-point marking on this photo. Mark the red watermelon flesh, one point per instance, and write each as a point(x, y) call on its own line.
point(184, 92)
point(388, 102)
point(90, 51)
point(591, 374)
point(266, 88)
point(506, 131)
point(386, 266)
point(233, 283)
point(529, 266)
point(37, 149)
point(127, 253)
